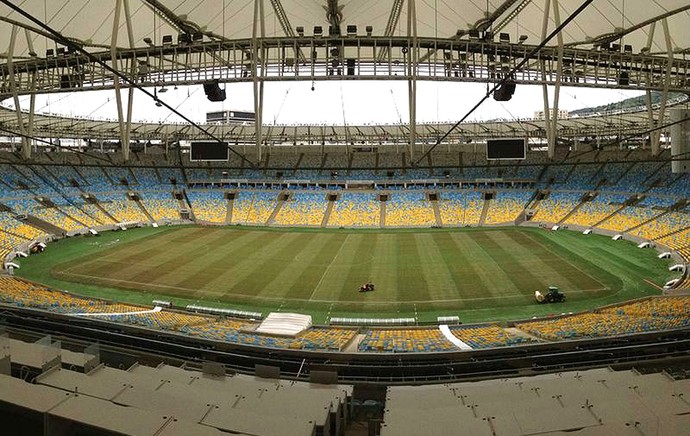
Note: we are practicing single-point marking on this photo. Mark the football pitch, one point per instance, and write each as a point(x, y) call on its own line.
point(487, 272)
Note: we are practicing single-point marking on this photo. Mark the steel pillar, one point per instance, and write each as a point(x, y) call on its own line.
point(551, 142)
point(26, 143)
point(124, 119)
point(258, 31)
point(413, 54)
point(664, 93)
point(557, 87)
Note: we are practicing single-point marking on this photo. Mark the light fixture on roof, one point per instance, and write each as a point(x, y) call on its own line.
point(370, 30)
point(318, 31)
point(522, 39)
point(300, 31)
point(148, 41)
point(351, 30)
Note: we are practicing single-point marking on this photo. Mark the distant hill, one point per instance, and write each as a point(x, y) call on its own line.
point(628, 103)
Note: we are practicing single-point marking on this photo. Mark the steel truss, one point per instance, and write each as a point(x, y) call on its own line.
point(281, 136)
point(347, 57)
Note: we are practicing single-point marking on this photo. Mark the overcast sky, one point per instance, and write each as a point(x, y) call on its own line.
point(338, 103)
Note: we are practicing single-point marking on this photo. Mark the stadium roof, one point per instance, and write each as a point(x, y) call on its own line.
point(614, 21)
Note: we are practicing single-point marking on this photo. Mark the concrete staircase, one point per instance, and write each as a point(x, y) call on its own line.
point(327, 214)
point(276, 210)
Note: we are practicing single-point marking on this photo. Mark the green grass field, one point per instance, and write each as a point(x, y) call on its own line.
point(480, 274)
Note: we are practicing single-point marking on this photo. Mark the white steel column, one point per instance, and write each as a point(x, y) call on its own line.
point(545, 90)
point(650, 109)
point(130, 91)
point(26, 143)
point(258, 27)
point(121, 117)
point(557, 88)
point(413, 54)
point(32, 108)
point(656, 135)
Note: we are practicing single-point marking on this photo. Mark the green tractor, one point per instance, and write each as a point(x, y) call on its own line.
point(553, 295)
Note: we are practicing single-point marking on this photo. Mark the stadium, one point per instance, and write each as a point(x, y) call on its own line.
point(262, 272)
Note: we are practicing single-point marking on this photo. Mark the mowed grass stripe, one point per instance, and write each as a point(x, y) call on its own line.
point(216, 262)
point(357, 269)
point(554, 268)
point(495, 282)
point(267, 270)
point(273, 250)
point(384, 266)
point(454, 256)
point(437, 276)
point(129, 261)
point(549, 269)
point(504, 258)
point(411, 283)
point(310, 273)
point(336, 274)
point(173, 275)
point(174, 264)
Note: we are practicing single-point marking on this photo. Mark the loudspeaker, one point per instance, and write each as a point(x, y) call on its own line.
point(505, 92)
point(350, 67)
point(213, 91)
point(624, 78)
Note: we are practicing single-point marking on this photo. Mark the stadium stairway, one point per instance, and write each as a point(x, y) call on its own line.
point(184, 203)
point(437, 212)
point(666, 235)
point(104, 211)
point(532, 204)
point(228, 211)
point(382, 214)
point(327, 213)
point(577, 207)
point(70, 217)
point(485, 210)
point(279, 205)
point(629, 202)
point(144, 211)
point(644, 223)
point(44, 226)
